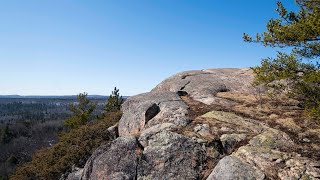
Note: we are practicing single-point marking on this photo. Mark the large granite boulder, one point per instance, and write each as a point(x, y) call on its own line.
point(166, 155)
point(149, 109)
point(231, 168)
point(169, 155)
point(116, 160)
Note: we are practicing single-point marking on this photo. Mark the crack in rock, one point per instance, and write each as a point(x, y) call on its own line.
point(189, 75)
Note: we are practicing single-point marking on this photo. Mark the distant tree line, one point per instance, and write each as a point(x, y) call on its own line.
point(30, 124)
point(83, 132)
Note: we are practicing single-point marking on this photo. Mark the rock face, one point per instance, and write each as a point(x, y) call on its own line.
point(149, 109)
point(161, 136)
point(169, 155)
point(117, 160)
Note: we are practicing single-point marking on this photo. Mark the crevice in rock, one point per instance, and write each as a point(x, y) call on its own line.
point(189, 75)
point(181, 92)
point(151, 112)
point(136, 171)
point(217, 144)
point(211, 162)
point(139, 152)
point(238, 145)
point(183, 87)
point(177, 100)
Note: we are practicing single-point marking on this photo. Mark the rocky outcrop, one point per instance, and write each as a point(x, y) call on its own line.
point(164, 136)
point(149, 109)
point(168, 155)
point(203, 85)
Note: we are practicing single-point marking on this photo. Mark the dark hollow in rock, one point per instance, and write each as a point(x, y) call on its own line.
point(217, 144)
point(182, 93)
point(151, 112)
point(222, 88)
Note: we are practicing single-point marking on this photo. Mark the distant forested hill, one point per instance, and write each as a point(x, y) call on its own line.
point(28, 123)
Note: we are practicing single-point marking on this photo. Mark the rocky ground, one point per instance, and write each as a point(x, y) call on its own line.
point(209, 124)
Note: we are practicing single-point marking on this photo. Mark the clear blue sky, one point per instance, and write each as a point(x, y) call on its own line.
point(60, 47)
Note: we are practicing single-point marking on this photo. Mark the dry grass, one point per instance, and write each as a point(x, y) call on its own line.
point(282, 113)
point(263, 108)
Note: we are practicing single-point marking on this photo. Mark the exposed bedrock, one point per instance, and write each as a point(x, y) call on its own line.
point(159, 137)
point(203, 85)
point(149, 109)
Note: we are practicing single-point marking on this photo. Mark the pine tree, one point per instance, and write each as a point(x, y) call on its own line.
point(113, 105)
point(81, 110)
point(299, 31)
point(114, 101)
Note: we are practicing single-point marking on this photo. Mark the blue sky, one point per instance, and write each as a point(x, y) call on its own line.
point(64, 47)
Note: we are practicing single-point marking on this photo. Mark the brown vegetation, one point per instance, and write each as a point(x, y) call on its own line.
point(280, 113)
point(73, 148)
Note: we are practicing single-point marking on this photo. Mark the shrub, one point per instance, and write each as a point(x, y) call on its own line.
point(74, 148)
point(80, 111)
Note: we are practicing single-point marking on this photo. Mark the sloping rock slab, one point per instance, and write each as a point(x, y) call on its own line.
point(203, 85)
point(273, 139)
point(237, 121)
